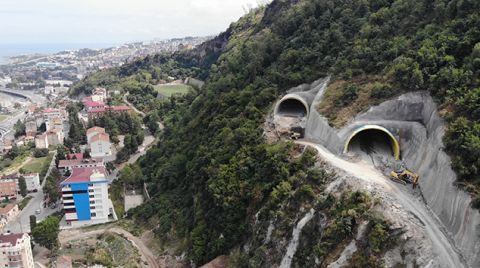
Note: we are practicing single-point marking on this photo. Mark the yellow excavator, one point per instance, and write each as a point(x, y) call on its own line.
point(402, 175)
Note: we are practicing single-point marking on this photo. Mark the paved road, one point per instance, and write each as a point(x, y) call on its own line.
point(35, 98)
point(22, 221)
point(7, 124)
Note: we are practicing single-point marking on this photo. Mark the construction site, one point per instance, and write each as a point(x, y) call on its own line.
point(393, 150)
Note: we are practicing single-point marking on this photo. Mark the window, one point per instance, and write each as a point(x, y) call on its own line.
point(92, 207)
point(90, 185)
point(91, 191)
point(92, 202)
point(93, 214)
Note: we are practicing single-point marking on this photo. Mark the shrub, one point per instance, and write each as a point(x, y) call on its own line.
point(382, 91)
point(37, 153)
point(348, 95)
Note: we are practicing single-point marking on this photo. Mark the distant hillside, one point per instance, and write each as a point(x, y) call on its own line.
point(212, 171)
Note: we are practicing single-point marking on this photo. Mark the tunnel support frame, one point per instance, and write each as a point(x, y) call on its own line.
point(295, 97)
point(395, 143)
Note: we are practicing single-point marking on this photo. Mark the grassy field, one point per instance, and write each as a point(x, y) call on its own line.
point(34, 165)
point(3, 117)
point(38, 165)
point(169, 90)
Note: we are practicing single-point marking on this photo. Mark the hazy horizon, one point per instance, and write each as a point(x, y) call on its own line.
point(114, 21)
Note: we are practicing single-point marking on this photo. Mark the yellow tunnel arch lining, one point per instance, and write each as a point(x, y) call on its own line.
point(394, 141)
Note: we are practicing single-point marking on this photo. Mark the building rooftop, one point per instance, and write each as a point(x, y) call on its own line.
point(51, 110)
point(88, 102)
point(80, 175)
point(78, 162)
point(96, 129)
point(7, 208)
point(100, 137)
point(10, 238)
point(78, 156)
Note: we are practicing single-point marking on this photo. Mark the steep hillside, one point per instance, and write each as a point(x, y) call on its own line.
point(212, 172)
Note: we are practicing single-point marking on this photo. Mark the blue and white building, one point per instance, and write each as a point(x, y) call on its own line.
point(85, 197)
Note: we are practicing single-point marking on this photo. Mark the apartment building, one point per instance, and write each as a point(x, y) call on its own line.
point(16, 250)
point(85, 197)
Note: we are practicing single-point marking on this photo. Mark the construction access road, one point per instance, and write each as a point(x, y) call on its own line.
point(442, 246)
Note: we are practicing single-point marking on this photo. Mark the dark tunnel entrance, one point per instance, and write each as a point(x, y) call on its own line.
point(292, 107)
point(372, 141)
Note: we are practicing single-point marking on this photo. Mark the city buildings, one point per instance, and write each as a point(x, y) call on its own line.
point(99, 142)
point(85, 197)
point(69, 164)
point(9, 212)
point(99, 94)
point(8, 188)
point(100, 145)
point(93, 132)
point(16, 250)
point(41, 141)
point(32, 180)
point(55, 137)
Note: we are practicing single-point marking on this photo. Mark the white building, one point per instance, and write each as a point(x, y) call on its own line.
point(55, 137)
point(16, 251)
point(99, 94)
point(9, 212)
point(93, 132)
point(33, 181)
point(100, 145)
point(41, 141)
point(85, 197)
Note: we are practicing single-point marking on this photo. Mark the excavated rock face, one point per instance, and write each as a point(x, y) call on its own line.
point(413, 119)
point(422, 151)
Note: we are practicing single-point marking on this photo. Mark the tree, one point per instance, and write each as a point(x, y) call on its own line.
point(131, 175)
point(33, 222)
point(37, 153)
point(19, 128)
point(86, 154)
point(46, 233)
point(22, 184)
point(51, 189)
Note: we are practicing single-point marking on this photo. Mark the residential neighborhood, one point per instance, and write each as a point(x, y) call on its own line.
point(56, 162)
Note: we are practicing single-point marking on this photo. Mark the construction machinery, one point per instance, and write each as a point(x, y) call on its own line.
point(297, 133)
point(404, 176)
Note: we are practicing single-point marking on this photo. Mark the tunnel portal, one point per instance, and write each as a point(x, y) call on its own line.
point(292, 107)
point(373, 139)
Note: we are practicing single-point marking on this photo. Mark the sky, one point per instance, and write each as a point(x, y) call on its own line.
point(114, 21)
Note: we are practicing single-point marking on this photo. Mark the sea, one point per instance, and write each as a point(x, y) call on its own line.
point(16, 49)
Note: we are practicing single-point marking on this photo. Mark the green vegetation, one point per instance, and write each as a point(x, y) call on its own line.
point(77, 133)
point(110, 250)
point(3, 117)
point(126, 124)
point(11, 161)
point(32, 221)
point(51, 186)
point(24, 202)
point(38, 165)
point(19, 128)
point(46, 232)
point(22, 185)
point(169, 90)
point(212, 172)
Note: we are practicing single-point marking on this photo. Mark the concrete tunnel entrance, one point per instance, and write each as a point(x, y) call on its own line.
point(292, 107)
point(372, 139)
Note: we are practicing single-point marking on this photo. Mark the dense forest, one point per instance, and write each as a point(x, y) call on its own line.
point(212, 170)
